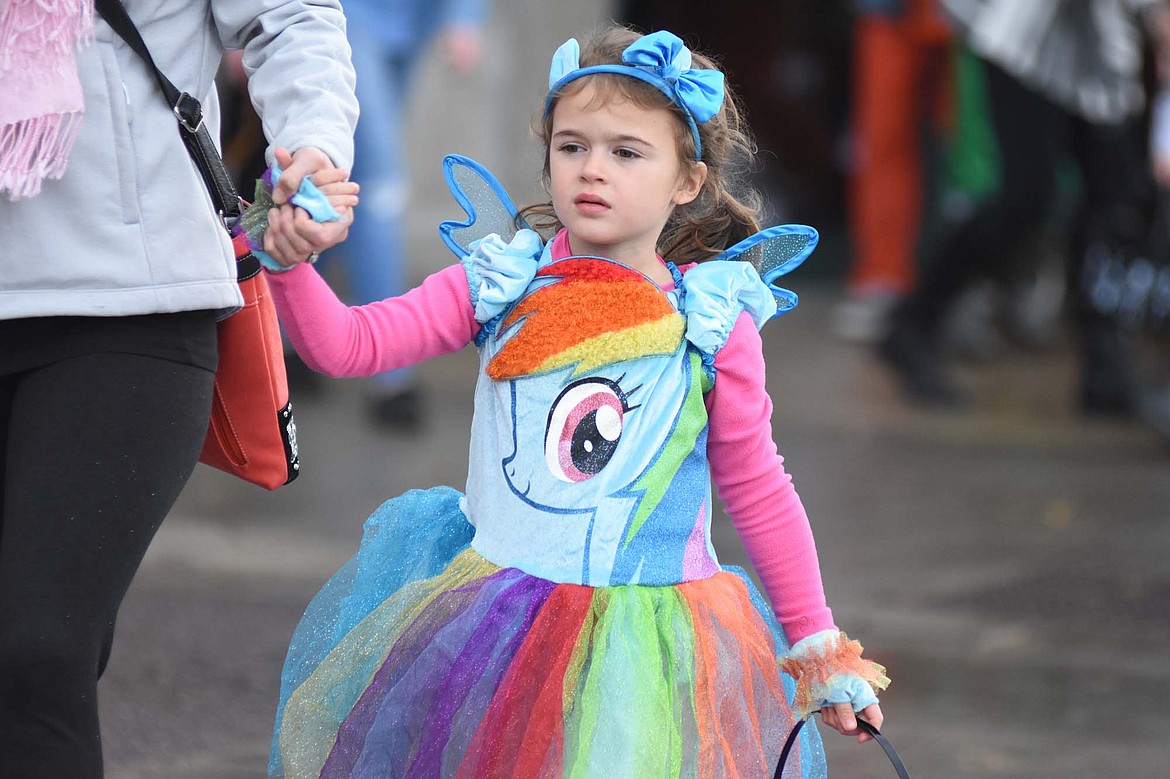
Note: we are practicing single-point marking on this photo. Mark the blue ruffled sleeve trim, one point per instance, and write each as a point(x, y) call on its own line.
point(499, 272)
point(715, 294)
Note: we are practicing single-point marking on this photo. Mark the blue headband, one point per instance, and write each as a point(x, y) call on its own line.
point(661, 60)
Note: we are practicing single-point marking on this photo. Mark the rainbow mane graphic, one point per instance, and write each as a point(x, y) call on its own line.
point(595, 313)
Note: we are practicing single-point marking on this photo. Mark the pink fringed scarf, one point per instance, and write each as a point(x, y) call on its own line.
point(40, 94)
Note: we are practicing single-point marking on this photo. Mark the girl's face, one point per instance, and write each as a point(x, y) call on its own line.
point(616, 176)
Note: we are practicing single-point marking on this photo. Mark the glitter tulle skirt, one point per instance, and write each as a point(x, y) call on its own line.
point(420, 658)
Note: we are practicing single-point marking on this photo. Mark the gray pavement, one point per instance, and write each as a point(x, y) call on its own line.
point(1007, 566)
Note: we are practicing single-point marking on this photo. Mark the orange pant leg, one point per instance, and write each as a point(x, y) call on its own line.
point(890, 113)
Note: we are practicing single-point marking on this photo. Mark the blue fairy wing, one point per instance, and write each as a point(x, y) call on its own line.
point(774, 252)
point(483, 198)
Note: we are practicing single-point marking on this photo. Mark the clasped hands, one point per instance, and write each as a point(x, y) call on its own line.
point(292, 236)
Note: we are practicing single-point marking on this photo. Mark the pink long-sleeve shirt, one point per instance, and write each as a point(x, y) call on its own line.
point(437, 318)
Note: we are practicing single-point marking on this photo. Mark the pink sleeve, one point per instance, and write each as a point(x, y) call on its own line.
point(338, 340)
point(760, 499)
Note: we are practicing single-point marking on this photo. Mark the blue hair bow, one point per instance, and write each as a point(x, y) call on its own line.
point(661, 60)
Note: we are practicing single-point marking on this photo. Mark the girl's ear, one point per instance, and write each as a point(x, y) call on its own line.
point(691, 184)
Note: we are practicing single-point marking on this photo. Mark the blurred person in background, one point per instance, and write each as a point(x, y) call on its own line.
point(900, 69)
point(1063, 83)
point(113, 273)
point(1157, 306)
point(792, 82)
point(242, 133)
point(389, 39)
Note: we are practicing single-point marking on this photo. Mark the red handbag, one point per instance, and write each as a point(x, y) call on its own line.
point(252, 433)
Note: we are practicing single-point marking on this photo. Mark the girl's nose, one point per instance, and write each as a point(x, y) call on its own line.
point(593, 167)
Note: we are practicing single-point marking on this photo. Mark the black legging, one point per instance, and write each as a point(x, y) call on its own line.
point(94, 450)
point(1034, 137)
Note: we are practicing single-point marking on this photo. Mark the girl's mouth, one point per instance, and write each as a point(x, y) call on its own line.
point(590, 204)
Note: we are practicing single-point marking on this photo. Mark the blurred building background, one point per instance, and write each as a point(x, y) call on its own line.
point(789, 61)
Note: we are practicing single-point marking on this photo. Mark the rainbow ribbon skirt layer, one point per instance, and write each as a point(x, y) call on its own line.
point(445, 665)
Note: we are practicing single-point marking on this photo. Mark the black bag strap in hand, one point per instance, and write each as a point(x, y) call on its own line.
point(868, 728)
point(189, 112)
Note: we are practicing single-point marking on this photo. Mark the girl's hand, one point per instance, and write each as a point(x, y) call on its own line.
point(293, 237)
point(840, 717)
point(342, 193)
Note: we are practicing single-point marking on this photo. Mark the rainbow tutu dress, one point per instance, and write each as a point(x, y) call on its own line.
point(566, 616)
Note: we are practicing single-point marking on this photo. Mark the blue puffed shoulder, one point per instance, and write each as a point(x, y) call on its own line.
point(498, 272)
point(715, 294)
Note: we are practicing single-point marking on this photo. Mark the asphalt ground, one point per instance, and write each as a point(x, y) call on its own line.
point(1007, 566)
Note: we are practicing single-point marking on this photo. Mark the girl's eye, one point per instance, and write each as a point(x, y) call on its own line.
point(628, 154)
point(584, 427)
point(571, 148)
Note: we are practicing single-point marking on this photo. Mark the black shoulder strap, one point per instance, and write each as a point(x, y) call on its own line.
point(868, 728)
point(188, 111)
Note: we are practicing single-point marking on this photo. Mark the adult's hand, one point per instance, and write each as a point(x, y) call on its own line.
point(292, 234)
point(294, 167)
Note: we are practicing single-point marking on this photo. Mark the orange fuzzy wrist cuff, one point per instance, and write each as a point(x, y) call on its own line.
point(836, 656)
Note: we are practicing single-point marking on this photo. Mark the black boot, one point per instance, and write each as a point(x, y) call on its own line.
point(913, 356)
point(1108, 384)
point(303, 381)
point(400, 411)
point(1155, 412)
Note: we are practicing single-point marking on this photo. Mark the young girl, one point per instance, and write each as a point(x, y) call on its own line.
point(567, 616)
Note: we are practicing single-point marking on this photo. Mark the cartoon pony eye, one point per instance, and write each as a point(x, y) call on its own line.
point(584, 427)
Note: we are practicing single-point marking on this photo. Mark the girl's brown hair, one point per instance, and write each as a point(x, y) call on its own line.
point(727, 208)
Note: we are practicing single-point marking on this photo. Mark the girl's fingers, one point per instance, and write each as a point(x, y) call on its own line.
point(339, 188)
point(343, 202)
point(873, 715)
point(328, 176)
point(840, 717)
point(845, 717)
